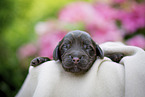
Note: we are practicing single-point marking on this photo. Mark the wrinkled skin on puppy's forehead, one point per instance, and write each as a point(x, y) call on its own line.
point(77, 33)
point(77, 36)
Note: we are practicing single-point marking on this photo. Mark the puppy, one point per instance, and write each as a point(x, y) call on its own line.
point(77, 53)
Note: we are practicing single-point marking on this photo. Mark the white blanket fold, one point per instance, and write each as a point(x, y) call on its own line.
point(104, 79)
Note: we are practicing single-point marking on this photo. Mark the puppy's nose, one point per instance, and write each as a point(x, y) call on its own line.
point(76, 60)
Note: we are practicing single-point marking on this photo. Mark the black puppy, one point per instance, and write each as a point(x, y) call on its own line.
point(77, 53)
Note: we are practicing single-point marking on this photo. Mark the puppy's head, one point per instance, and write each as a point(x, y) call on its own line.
point(77, 52)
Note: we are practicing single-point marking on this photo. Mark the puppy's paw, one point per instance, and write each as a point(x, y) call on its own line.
point(38, 60)
point(116, 57)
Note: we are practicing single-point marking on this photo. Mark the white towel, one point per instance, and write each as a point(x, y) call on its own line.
point(104, 79)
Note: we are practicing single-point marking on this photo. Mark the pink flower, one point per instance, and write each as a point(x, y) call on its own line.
point(133, 19)
point(138, 40)
point(77, 12)
point(104, 28)
point(98, 19)
point(48, 42)
point(27, 51)
point(104, 34)
point(105, 11)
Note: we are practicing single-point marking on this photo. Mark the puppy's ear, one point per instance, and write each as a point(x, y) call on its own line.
point(56, 53)
point(99, 52)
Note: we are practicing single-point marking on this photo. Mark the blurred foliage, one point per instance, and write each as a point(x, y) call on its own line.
point(17, 21)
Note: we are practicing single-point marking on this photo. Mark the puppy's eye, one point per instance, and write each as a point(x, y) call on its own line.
point(87, 47)
point(65, 46)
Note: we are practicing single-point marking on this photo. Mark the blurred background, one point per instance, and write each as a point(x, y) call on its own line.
point(31, 28)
